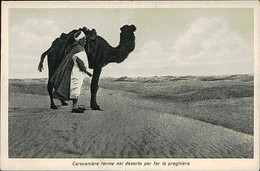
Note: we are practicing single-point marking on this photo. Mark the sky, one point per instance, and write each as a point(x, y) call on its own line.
point(176, 41)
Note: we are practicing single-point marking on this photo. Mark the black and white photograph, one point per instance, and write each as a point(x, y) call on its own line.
point(138, 83)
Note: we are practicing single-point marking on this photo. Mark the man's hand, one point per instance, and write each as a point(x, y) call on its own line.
point(40, 67)
point(88, 73)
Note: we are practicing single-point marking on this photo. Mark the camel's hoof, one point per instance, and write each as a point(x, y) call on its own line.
point(54, 107)
point(64, 104)
point(95, 108)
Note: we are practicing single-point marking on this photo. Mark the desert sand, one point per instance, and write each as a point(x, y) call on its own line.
point(131, 125)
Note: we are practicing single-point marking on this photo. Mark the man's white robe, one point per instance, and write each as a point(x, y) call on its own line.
point(77, 76)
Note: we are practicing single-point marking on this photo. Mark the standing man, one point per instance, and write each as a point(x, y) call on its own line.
point(69, 76)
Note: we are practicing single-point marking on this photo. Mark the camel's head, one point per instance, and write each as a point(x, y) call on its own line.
point(127, 37)
point(127, 33)
point(126, 29)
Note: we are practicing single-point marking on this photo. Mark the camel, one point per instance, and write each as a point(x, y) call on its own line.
point(99, 53)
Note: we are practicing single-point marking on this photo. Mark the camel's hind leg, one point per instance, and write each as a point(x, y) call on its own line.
point(50, 90)
point(52, 66)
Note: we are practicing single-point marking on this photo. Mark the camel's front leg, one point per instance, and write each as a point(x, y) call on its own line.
point(94, 89)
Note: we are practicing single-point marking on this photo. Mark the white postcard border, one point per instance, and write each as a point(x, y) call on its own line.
point(67, 164)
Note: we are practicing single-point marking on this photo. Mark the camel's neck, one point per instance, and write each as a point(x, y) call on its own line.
point(126, 46)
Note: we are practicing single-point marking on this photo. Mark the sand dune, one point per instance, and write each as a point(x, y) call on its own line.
point(220, 100)
point(129, 127)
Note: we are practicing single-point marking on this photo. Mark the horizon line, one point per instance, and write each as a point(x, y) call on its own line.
point(251, 74)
